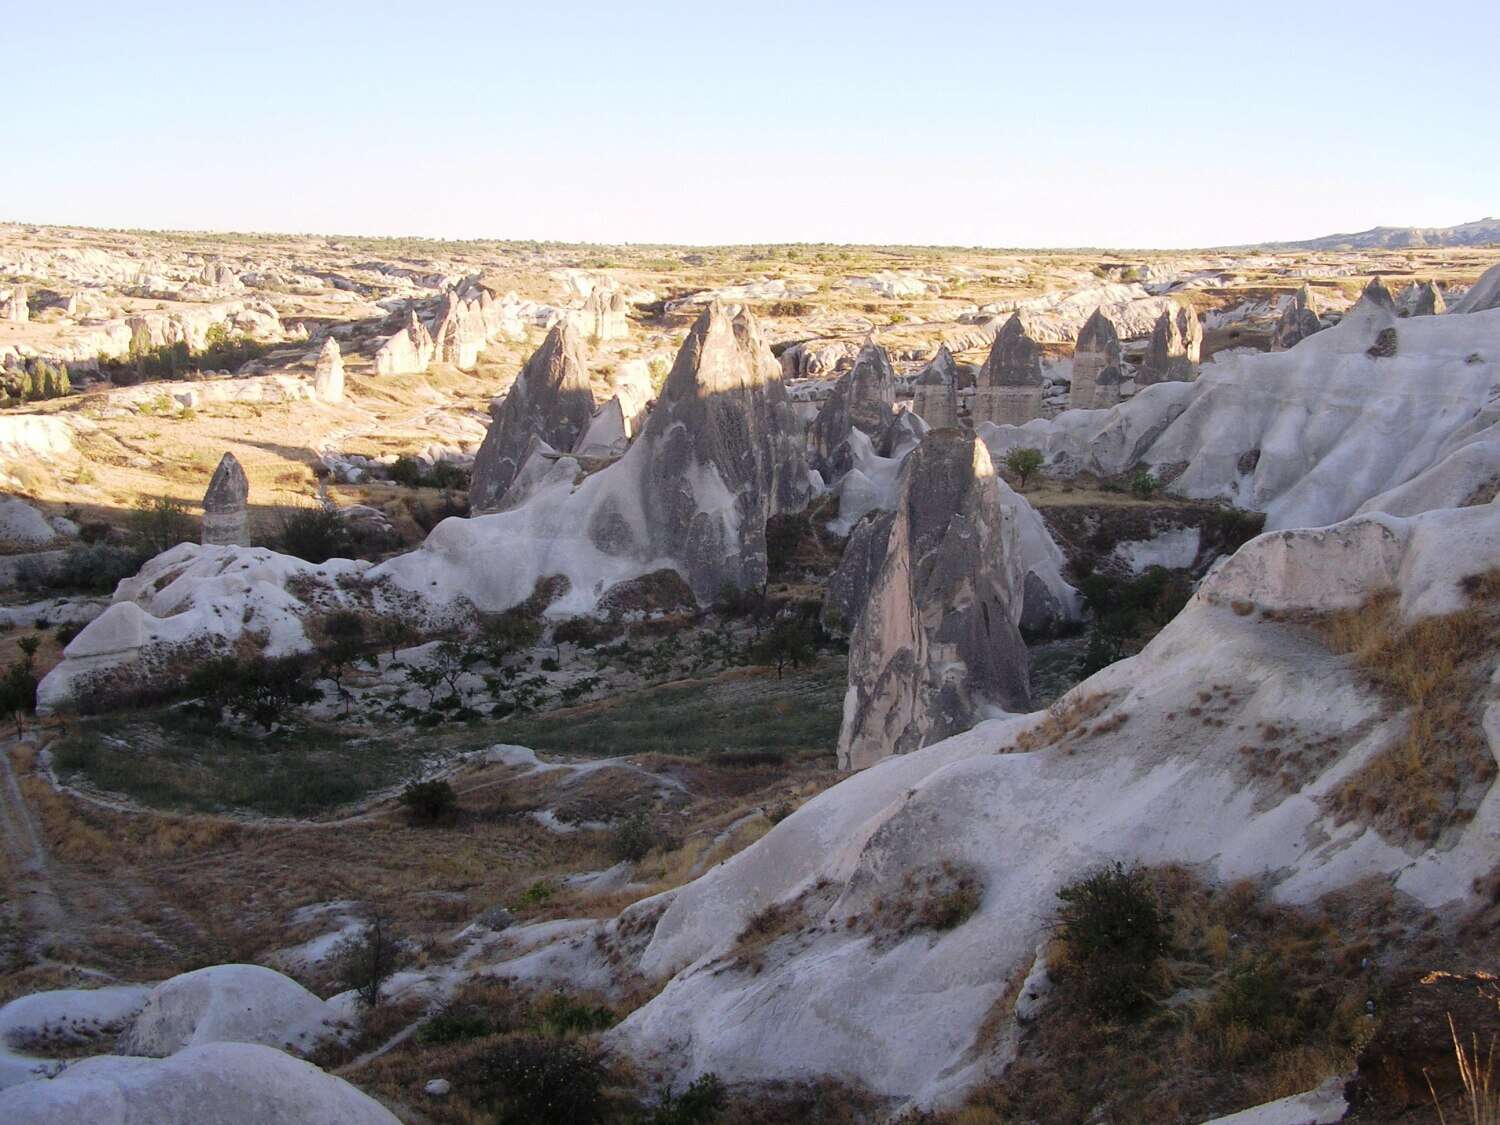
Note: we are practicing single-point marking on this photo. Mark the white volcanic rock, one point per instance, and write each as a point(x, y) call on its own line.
point(1175, 350)
point(229, 1004)
point(1482, 295)
point(1424, 299)
point(75, 1016)
point(903, 1013)
point(15, 307)
point(602, 317)
point(1058, 317)
point(551, 399)
point(458, 335)
point(863, 399)
point(1322, 1106)
point(22, 525)
point(407, 352)
point(937, 642)
point(935, 391)
point(328, 374)
point(1310, 435)
point(223, 1083)
point(1299, 320)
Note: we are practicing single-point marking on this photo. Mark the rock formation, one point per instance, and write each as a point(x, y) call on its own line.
point(1009, 390)
point(225, 506)
point(1423, 299)
point(551, 399)
point(328, 374)
point(1175, 350)
point(863, 399)
point(16, 308)
point(407, 352)
point(1483, 294)
point(1097, 351)
point(1298, 321)
point(935, 397)
point(1377, 294)
point(602, 316)
point(937, 642)
point(458, 336)
point(1107, 388)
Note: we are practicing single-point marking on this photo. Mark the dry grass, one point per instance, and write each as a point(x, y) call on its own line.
point(1436, 670)
point(1476, 1069)
point(1068, 721)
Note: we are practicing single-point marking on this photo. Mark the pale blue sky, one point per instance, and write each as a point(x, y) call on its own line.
point(1149, 124)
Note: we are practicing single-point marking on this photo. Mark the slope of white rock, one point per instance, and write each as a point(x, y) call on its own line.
point(223, 1083)
point(1310, 435)
point(901, 1016)
point(229, 1004)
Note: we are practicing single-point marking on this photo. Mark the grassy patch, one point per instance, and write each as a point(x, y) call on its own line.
point(1437, 670)
point(168, 759)
point(795, 716)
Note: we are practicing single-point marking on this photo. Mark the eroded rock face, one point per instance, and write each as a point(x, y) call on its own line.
point(1298, 321)
point(225, 505)
point(720, 454)
point(1484, 294)
point(1377, 294)
point(603, 316)
point(935, 397)
point(864, 399)
point(407, 352)
point(1097, 351)
point(1176, 348)
point(328, 375)
point(15, 307)
point(459, 334)
point(937, 642)
point(1009, 390)
point(1423, 300)
point(550, 399)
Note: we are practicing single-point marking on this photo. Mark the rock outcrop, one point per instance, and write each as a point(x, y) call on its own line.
point(1483, 295)
point(1010, 385)
point(863, 399)
point(1299, 320)
point(551, 399)
point(1175, 350)
point(458, 336)
point(1097, 352)
point(407, 352)
point(15, 307)
point(1379, 295)
point(328, 373)
point(225, 505)
point(937, 643)
point(935, 392)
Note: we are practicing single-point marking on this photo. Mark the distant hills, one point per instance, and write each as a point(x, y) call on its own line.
point(1477, 233)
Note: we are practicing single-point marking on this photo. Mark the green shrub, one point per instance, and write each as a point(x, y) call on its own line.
point(314, 534)
point(96, 567)
point(1144, 484)
point(1024, 462)
point(159, 523)
point(634, 838)
point(430, 802)
point(1115, 933)
point(701, 1103)
point(562, 1015)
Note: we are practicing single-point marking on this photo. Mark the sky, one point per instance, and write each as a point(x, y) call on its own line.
point(939, 122)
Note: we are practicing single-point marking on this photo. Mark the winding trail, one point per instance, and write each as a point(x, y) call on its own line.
point(46, 915)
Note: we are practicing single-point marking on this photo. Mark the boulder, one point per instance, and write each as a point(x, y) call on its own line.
point(551, 400)
point(223, 1083)
point(937, 642)
point(225, 505)
point(1299, 320)
point(864, 399)
point(229, 1004)
point(21, 525)
point(328, 374)
point(1097, 350)
point(1010, 386)
point(935, 392)
point(1175, 350)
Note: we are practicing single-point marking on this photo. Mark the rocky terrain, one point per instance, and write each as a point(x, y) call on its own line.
point(516, 681)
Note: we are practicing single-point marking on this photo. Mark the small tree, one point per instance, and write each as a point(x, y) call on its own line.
point(790, 641)
point(1024, 462)
point(1115, 933)
point(264, 689)
point(395, 633)
point(159, 523)
point(314, 533)
point(430, 802)
point(1144, 484)
point(366, 960)
point(634, 837)
point(343, 640)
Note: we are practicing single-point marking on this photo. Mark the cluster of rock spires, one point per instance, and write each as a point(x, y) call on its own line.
point(937, 642)
point(1175, 350)
point(864, 398)
point(1097, 365)
point(226, 506)
point(602, 317)
point(547, 409)
point(408, 351)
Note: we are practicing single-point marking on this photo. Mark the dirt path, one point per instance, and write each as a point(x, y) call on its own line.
point(45, 913)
